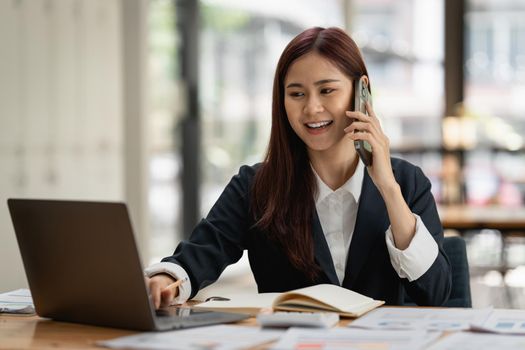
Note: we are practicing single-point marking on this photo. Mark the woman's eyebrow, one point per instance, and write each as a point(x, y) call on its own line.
point(319, 82)
point(291, 85)
point(324, 81)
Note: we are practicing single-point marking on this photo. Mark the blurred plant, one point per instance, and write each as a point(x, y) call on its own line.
point(224, 19)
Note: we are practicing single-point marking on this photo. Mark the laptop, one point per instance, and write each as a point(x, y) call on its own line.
point(83, 266)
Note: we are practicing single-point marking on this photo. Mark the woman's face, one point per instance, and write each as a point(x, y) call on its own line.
point(317, 95)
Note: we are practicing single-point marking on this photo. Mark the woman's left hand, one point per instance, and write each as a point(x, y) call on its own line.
point(367, 128)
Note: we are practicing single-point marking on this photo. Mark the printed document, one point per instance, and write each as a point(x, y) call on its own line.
point(17, 302)
point(479, 341)
point(503, 321)
point(355, 339)
point(218, 337)
point(449, 319)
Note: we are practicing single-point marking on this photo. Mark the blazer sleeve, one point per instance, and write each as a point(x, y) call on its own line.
point(218, 240)
point(433, 287)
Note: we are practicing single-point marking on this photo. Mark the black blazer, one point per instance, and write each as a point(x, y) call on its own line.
point(219, 240)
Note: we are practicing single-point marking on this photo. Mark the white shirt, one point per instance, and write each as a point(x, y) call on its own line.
point(337, 211)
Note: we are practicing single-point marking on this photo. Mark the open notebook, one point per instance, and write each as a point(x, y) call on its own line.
point(321, 297)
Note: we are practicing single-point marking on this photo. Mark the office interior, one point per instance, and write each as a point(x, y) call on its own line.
point(158, 102)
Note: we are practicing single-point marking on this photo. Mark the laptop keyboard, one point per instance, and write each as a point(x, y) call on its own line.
point(186, 317)
point(174, 311)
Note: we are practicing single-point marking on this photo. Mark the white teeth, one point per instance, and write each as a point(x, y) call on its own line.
point(318, 125)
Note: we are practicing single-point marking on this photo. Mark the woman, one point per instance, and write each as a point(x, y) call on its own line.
point(311, 212)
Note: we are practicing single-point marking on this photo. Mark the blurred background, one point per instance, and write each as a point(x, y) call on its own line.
point(159, 102)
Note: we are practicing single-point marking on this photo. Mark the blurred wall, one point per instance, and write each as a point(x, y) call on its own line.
point(61, 108)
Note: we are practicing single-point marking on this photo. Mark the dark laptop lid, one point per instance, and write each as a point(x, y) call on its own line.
point(82, 263)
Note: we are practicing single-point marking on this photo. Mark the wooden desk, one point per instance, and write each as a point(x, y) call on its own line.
point(464, 217)
point(33, 332)
point(508, 221)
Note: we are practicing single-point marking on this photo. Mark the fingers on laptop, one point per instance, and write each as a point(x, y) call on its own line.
point(154, 289)
point(167, 295)
point(157, 287)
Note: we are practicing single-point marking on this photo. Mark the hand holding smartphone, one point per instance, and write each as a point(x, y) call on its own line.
point(362, 95)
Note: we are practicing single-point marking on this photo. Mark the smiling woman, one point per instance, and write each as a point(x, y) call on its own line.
point(311, 212)
point(317, 96)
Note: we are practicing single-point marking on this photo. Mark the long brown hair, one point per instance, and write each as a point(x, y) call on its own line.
point(284, 187)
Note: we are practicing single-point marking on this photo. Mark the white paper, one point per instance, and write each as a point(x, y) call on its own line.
point(503, 321)
point(448, 319)
point(241, 301)
point(354, 339)
point(340, 299)
point(17, 301)
point(219, 337)
point(479, 341)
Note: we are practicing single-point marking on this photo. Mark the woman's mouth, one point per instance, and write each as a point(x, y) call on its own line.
point(319, 125)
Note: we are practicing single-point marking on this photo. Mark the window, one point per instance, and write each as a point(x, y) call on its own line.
point(402, 42)
point(495, 70)
point(494, 90)
point(240, 45)
point(164, 166)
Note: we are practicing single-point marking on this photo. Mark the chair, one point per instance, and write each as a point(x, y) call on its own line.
point(456, 250)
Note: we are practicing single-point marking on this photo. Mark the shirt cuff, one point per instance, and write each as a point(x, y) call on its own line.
point(417, 258)
point(175, 271)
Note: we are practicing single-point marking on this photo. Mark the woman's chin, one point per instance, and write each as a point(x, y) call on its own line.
point(333, 146)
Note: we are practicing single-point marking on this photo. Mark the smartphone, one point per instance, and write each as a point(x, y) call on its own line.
point(362, 95)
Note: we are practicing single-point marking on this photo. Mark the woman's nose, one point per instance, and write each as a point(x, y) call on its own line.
point(313, 106)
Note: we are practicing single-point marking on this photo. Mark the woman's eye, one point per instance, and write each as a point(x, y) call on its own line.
point(296, 94)
point(326, 91)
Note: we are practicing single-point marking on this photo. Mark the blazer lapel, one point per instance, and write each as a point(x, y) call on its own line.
point(322, 252)
point(370, 225)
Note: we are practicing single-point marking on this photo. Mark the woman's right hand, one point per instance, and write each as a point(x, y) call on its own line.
point(161, 295)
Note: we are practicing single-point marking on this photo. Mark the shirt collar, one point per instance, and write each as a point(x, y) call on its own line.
point(352, 185)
